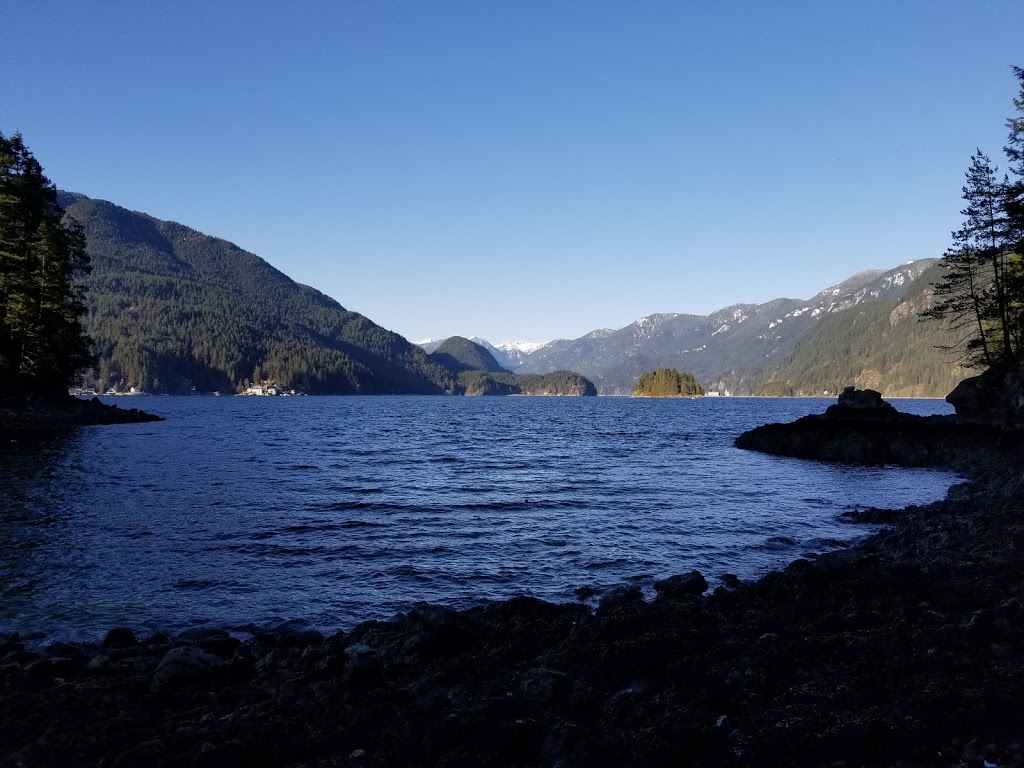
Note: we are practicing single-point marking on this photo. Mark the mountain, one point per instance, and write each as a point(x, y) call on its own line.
point(881, 345)
point(172, 309)
point(459, 354)
point(510, 354)
point(479, 373)
point(736, 347)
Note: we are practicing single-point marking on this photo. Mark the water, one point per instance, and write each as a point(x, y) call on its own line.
point(328, 511)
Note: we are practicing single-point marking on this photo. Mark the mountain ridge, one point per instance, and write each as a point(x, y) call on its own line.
point(735, 347)
point(174, 310)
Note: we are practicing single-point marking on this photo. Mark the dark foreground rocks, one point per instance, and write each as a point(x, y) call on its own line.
point(907, 650)
point(61, 413)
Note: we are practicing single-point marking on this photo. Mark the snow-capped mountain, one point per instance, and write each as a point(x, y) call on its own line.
point(509, 354)
point(743, 336)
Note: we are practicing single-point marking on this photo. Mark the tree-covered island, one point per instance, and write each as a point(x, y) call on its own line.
point(667, 382)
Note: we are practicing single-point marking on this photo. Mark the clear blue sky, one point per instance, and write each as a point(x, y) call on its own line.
point(520, 169)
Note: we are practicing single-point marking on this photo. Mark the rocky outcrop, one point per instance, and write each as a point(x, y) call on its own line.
point(861, 404)
point(863, 429)
point(996, 396)
point(35, 414)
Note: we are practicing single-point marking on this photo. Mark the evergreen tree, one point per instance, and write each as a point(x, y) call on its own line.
point(982, 290)
point(667, 382)
point(1014, 206)
point(42, 343)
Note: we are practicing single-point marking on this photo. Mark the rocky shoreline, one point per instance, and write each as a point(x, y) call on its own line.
point(907, 649)
point(18, 414)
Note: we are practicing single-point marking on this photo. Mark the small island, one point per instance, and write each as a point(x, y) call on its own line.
point(667, 382)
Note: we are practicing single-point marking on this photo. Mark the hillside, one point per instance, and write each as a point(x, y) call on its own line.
point(171, 309)
point(879, 345)
point(735, 348)
point(478, 373)
point(459, 354)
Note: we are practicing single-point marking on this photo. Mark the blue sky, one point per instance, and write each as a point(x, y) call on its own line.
point(527, 170)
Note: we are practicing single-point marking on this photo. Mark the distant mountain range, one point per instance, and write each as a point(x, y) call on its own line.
point(174, 310)
point(479, 373)
point(509, 354)
point(784, 346)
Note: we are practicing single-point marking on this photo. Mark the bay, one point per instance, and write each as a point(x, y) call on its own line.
point(326, 511)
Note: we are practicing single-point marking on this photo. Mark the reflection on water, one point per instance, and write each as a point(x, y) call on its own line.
point(333, 510)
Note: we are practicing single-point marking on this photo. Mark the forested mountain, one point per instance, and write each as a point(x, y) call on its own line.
point(478, 373)
point(171, 309)
point(881, 345)
point(458, 354)
point(736, 348)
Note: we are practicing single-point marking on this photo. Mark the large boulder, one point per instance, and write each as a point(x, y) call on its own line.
point(861, 403)
point(996, 396)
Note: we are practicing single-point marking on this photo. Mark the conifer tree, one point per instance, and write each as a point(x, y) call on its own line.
point(42, 343)
point(982, 290)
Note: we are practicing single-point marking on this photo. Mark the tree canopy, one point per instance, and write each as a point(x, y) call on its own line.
point(667, 382)
point(981, 292)
point(42, 343)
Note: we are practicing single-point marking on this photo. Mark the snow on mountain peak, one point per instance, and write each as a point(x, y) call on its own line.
point(526, 347)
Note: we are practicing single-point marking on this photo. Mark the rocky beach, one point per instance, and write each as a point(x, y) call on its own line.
point(907, 649)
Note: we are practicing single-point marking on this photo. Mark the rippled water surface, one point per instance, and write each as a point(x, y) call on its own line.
point(329, 511)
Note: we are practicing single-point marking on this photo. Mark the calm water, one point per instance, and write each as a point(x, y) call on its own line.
point(328, 511)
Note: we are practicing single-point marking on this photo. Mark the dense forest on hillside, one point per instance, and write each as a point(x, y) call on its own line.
point(171, 309)
point(667, 382)
point(881, 345)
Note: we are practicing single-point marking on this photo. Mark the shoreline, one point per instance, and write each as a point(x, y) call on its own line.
point(906, 647)
point(31, 415)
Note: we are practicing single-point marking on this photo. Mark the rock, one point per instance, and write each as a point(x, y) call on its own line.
point(185, 665)
point(842, 560)
point(996, 396)
point(65, 650)
point(141, 755)
point(285, 636)
point(543, 684)
point(681, 585)
point(11, 644)
point(620, 595)
point(585, 592)
point(363, 668)
point(52, 666)
point(120, 637)
point(157, 638)
point(861, 403)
